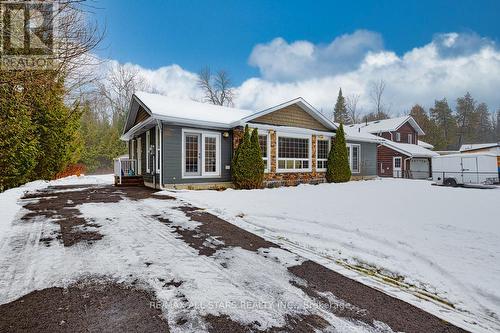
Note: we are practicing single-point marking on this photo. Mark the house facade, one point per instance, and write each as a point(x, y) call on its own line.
point(182, 143)
point(401, 154)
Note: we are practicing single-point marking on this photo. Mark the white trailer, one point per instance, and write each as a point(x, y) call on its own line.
point(465, 169)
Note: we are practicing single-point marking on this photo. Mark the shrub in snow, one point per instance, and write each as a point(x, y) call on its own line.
point(338, 170)
point(247, 164)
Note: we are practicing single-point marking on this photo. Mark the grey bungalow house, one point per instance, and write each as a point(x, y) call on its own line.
point(182, 143)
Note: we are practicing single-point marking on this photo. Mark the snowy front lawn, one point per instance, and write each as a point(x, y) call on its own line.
point(442, 241)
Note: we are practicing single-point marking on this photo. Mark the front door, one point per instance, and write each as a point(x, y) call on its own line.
point(139, 156)
point(192, 152)
point(396, 167)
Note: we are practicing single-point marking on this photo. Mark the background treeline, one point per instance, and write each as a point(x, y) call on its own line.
point(447, 129)
point(470, 122)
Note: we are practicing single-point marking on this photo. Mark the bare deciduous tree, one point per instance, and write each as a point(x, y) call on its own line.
point(352, 107)
point(376, 95)
point(117, 88)
point(216, 87)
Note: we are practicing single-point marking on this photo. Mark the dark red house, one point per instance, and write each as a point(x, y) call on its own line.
point(401, 154)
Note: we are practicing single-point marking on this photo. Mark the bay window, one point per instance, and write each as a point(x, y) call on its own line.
point(294, 154)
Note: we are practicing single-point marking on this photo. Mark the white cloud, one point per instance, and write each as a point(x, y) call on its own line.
point(448, 66)
point(279, 60)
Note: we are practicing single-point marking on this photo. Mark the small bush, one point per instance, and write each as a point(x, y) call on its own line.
point(247, 164)
point(338, 169)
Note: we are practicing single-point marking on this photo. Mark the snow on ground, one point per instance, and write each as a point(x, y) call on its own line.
point(136, 247)
point(443, 240)
point(9, 205)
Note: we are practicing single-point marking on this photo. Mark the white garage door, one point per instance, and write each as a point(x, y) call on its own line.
point(419, 168)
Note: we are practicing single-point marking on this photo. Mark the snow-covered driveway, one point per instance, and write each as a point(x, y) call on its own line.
point(205, 274)
point(438, 243)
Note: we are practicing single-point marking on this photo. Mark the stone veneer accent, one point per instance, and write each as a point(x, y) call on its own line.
point(273, 178)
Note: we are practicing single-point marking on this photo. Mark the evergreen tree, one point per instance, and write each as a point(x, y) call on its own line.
point(57, 129)
point(418, 113)
point(247, 164)
point(484, 133)
point(338, 169)
point(467, 119)
point(443, 126)
point(340, 113)
point(18, 140)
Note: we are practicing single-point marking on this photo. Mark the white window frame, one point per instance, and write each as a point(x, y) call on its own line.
point(267, 160)
point(293, 136)
point(148, 147)
point(398, 136)
point(350, 145)
point(203, 135)
point(158, 148)
point(329, 139)
point(410, 138)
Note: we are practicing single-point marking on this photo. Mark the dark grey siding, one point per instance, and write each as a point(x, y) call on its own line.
point(172, 157)
point(368, 158)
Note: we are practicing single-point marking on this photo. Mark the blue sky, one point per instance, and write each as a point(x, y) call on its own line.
point(224, 34)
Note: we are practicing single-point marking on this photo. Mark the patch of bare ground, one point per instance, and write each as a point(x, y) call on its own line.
point(303, 324)
point(59, 202)
point(87, 307)
point(214, 233)
point(376, 305)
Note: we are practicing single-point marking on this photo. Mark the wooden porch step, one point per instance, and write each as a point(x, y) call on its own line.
point(130, 181)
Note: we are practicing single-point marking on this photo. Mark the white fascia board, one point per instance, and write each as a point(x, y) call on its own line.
point(192, 122)
point(361, 139)
point(287, 129)
point(127, 136)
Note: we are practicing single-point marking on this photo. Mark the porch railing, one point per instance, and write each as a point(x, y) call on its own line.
point(124, 167)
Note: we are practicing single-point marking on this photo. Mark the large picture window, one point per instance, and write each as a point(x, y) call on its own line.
point(322, 149)
point(200, 154)
point(354, 155)
point(294, 154)
point(264, 147)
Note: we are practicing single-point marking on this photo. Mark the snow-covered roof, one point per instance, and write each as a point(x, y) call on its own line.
point(388, 125)
point(425, 144)
point(409, 149)
point(356, 134)
point(185, 111)
point(476, 146)
point(174, 109)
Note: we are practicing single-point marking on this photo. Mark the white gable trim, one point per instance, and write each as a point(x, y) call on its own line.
point(299, 101)
point(413, 123)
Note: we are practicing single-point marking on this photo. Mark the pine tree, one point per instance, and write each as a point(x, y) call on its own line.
point(484, 133)
point(418, 113)
point(247, 164)
point(338, 169)
point(467, 119)
point(340, 113)
point(18, 140)
point(444, 126)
